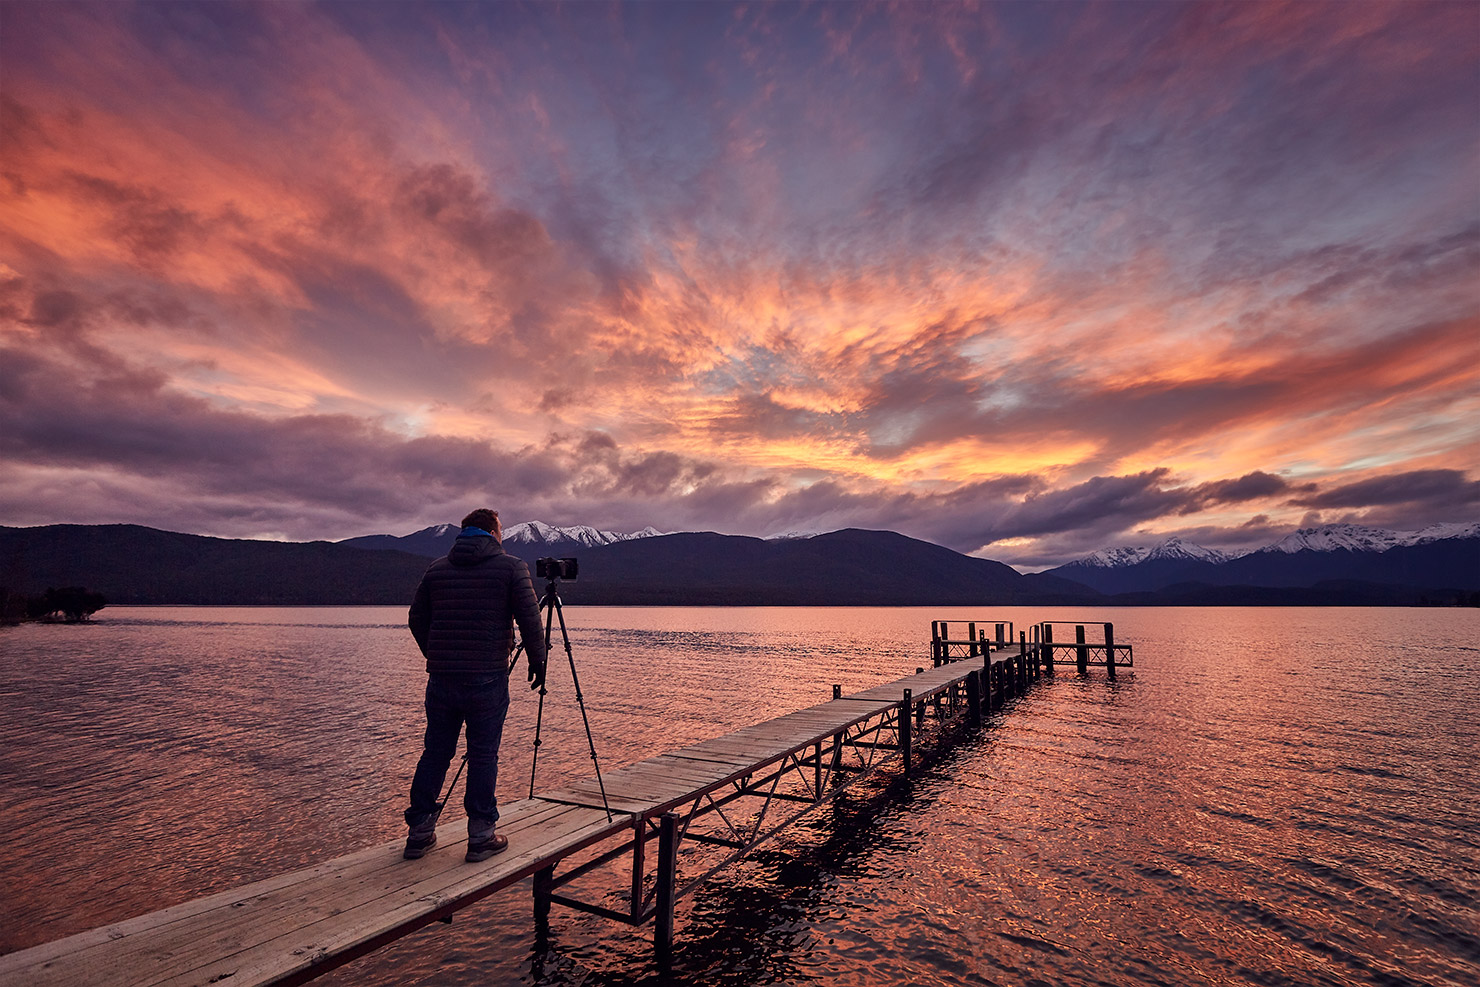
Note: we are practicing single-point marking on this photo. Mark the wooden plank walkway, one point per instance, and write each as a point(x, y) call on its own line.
point(291, 928)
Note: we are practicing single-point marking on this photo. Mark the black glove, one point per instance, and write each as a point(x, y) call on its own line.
point(536, 670)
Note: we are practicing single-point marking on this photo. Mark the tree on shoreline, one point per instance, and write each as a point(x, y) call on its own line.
point(72, 604)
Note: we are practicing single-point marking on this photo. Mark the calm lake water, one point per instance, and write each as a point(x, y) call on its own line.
point(1280, 796)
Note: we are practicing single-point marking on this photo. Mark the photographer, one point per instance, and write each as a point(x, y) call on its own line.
point(462, 618)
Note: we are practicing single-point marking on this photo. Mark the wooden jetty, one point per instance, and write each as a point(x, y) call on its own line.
point(721, 797)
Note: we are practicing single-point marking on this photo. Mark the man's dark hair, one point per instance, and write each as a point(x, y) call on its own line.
point(481, 518)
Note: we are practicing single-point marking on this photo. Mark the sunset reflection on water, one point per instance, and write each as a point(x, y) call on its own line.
point(1273, 796)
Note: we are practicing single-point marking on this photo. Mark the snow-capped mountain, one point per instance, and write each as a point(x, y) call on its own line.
point(539, 533)
point(1356, 538)
point(1444, 556)
point(531, 538)
point(1334, 537)
point(798, 535)
point(1173, 549)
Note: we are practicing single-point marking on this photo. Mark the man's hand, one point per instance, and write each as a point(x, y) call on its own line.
point(537, 668)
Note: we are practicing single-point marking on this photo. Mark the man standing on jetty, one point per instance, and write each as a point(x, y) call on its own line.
point(463, 620)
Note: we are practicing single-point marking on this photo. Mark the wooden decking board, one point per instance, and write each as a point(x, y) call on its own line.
point(675, 769)
point(514, 818)
point(706, 757)
point(266, 962)
point(324, 894)
point(260, 921)
point(619, 806)
point(280, 927)
point(758, 747)
point(651, 794)
point(717, 769)
point(632, 780)
point(760, 751)
point(646, 797)
point(645, 774)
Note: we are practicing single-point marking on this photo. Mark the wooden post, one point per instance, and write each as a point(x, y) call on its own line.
point(817, 772)
point(935, 642)
point(544, 883)
point(639, 863)
point(903, 716)
point(1045, 643)
point(667, 884)
point(945, 645)
point(1083, 657)
point(920, 706)
point(1110, 649)
point(974, 698)
point(1001, 641)
point(837, 758)
point(971, 636)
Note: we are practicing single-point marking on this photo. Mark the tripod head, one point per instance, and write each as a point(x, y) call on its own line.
point(556, 569)
point(552, 571)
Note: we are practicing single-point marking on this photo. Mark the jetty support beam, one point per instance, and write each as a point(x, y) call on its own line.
point(667, 880)
point(903, 714)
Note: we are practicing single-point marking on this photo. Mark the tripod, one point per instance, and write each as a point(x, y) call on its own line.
point(552, 607)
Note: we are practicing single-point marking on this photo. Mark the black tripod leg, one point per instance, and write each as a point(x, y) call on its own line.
point(548, 604)
point(581, 702)
point(443, 804)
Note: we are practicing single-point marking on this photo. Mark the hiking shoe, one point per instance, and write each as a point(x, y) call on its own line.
point(416, 848)
point(487, 846)
point(421, 838)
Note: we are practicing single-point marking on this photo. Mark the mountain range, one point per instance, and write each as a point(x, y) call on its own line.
point(1340, 565)
point(543, 539)
point(130, 564)
point(1443, 557)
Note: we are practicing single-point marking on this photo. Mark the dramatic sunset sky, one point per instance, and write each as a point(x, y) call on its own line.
point(1022, 279)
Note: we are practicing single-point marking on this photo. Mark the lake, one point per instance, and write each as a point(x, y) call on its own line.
point(1274, 796)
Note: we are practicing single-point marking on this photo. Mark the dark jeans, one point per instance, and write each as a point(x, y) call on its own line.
point(452, 700)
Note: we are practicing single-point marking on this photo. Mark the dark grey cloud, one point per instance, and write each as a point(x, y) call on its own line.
point(1438, 488)
point(1257, 485)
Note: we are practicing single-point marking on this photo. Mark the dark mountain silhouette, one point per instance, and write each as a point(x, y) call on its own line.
point(844, 568)
point(1449, 564)
point(1327, 593)
point(429, 543)
point(1141, 577)
point(132, 564)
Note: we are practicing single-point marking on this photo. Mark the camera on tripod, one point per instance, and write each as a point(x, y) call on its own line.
point(556, 569)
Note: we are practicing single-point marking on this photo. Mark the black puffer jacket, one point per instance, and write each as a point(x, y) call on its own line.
point(464, 612)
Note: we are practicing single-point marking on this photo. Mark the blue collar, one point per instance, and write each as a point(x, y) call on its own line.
point(472, 532)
